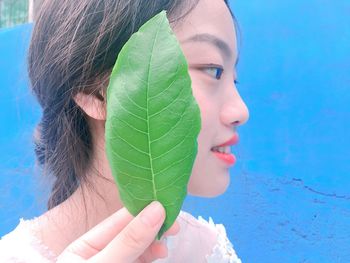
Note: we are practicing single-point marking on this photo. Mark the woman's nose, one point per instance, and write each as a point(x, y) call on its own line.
point(234, 111)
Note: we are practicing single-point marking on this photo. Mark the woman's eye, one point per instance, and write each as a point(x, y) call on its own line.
point(214, 71)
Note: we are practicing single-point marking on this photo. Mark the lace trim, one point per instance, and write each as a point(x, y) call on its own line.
point(223, 251)
point(25, 235)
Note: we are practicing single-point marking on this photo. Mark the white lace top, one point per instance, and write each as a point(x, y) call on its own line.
point(197, 241)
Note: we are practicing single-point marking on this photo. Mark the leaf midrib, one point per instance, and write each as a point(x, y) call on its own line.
point(148, 128)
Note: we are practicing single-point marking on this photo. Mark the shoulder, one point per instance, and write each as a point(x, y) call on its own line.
point(23, 239)
point(201, 240)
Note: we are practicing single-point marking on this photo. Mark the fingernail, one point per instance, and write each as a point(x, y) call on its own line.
point(164, 240)
point(152, 214)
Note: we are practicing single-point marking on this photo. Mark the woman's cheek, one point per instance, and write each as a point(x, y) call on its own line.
point(207, 112)
point(206, 104)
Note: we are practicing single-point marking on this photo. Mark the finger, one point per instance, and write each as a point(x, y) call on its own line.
point(136, 237)
point(156, 251)
point(173, 230)
point(159, 249)
point(98, 237)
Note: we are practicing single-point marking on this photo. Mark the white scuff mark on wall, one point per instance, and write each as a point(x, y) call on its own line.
point(30, 11)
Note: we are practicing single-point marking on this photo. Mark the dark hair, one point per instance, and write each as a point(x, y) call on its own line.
point(73, 49)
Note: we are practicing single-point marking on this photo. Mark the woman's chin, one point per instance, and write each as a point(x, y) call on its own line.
point(210, 189)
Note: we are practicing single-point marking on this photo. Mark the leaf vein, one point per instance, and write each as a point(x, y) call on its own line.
point(147, 92)
point(134, 196)
point(177, 145)
point(172, 128)
point(135, 177)
point(129, 112)
point(126, 160)
point(128, 143)
point(170, 85)
point(130, 99)
point(174, 164)
point(170, 104)
point(131, 126)
point(173, 183)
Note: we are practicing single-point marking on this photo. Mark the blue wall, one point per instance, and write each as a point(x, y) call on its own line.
point(289, 199)
point(19, 113)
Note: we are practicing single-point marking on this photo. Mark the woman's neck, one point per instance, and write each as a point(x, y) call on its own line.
point(87, 207)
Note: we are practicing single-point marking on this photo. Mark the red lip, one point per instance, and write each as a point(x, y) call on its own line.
point(230, 159)
point(234, 140)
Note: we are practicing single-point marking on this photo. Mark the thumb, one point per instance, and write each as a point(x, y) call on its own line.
point(97, 238)
point(135, 238)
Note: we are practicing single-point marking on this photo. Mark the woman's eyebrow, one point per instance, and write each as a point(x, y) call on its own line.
point(213, 40)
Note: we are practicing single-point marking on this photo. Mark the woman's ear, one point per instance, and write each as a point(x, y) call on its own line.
point(92, 105)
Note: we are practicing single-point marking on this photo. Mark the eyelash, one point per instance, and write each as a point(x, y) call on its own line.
point(219, 71)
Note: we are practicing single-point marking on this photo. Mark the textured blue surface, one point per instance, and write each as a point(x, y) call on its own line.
point(289, 199)
point(18, 116)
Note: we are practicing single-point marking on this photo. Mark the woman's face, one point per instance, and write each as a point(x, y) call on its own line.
point(208, 39)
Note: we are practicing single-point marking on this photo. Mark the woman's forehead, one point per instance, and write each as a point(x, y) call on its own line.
point(210, 21)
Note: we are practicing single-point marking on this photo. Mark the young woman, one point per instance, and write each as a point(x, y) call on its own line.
point(73, 49)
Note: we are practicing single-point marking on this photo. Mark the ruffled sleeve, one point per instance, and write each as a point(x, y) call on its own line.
point(199, 241)
point(22, 246)
point(223, 250)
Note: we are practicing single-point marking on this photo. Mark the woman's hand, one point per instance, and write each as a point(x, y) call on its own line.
point(122, 238)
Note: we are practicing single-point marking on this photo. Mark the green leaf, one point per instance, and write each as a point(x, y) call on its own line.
point(152, 122)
